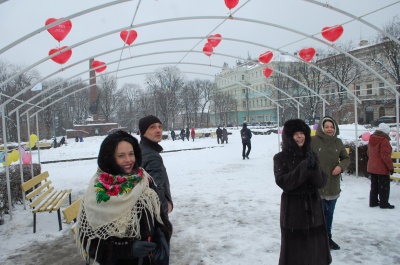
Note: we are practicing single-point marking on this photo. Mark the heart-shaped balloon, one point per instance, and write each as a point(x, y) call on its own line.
point(231, 3)
point(307, 54)
point(208, 49)
point(128, 36)
point(62, 57)
point(332, 33)
point(98, 63)
point(214, 40)
point(266, 57)
point(60, 31)
point(267, 72)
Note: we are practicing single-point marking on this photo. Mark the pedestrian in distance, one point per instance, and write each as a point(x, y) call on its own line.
point(245, 134)
point(151, 135)
point(380, 166)
point(173, 135)
point(219, 135)
point(182, 134)
point(298, 172)
point(334, 160)
point(193, 134)
point(120, 220)
point(187, 133)
point(224, 135)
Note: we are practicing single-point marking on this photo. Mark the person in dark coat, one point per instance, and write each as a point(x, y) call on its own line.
point(219, 134)
point(304, 237)
point(224, 135)
point(246, 135)
point(182, 134)
point(150, 135)
point(173, 135)
point(187, 133)
point(380, 165)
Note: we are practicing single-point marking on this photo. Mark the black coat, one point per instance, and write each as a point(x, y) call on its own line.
point(246, 135)
point(304, 238)
point(153, 163)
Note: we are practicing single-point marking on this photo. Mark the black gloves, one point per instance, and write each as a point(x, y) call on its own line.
point(391, 171)
point(161, 253)
point(312, 160)
point(142, 249)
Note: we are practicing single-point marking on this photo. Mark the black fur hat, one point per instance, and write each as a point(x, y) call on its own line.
point(290, 128)
point(106, 160)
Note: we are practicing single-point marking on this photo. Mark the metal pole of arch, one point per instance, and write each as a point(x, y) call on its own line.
point(2, 109)
point(356, 130)
point(37, 133)
point(277, 131)
point(21, 169)
point(29, 135)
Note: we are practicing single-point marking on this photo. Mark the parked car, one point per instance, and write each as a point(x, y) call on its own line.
point(385, 119)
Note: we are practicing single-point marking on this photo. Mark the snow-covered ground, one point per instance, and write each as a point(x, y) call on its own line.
point(226, 209)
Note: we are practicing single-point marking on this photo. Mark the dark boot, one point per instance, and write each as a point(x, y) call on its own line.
point(333, 244)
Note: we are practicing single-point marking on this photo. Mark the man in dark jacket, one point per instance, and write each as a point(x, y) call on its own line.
point(245, 133)
point(219, 134)
point(151, 134)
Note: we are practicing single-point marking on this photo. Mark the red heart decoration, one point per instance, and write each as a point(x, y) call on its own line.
point(60, 31)
point(267, 72)
point(128, 36)
point(214, 40)
point(332, 33)
point(231, 3)
point(98, 63)
point(62, 57)
point(266, 57)
point(208, 49)
point(307, 54)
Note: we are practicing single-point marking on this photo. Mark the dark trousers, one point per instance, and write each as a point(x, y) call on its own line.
point(380, 186)
point(219, 138)
point(244, 153)
point(329, 208)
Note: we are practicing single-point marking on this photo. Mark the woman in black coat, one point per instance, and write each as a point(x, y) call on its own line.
point(304, 239)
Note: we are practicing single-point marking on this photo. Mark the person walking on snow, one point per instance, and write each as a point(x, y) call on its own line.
point(219, 134)
point(192, 133)
point(246, 135)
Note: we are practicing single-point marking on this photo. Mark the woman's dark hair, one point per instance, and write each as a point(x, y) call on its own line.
point(106, 160)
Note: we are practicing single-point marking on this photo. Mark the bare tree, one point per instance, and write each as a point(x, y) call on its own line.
point(386, 54)
point(128, 113)
point(109, 97)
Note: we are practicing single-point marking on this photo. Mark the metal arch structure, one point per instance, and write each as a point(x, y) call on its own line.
point(182, 19)
point(145, 55)
point(2, 107)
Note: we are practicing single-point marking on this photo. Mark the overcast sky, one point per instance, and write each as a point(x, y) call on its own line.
point(21, 17)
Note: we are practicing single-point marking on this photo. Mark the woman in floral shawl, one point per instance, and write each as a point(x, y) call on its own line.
point(119, 221)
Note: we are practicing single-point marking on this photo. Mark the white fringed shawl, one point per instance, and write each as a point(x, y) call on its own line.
point(112, 218)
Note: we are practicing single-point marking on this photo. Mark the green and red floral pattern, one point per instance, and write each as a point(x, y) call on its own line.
point(108, 185)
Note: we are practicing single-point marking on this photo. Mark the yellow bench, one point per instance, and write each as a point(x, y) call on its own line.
point(43, 197)
point(71, 213)
point(396, 155)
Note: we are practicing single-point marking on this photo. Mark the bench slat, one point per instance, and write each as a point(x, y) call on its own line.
point(34, 181)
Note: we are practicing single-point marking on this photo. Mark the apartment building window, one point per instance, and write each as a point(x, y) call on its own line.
point(381, 111)
point(369, 89)
point(242, 77)
point(244, 104)
point(357, 90)
point(381, 89)
point(327, 94)
point(244, 91)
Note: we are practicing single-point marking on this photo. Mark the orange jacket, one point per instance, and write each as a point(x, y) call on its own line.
point(379, 154)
